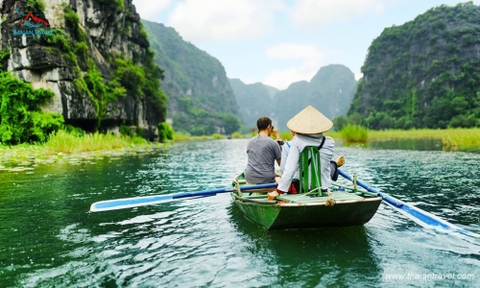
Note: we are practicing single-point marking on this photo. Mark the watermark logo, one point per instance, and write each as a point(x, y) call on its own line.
point(32, 25)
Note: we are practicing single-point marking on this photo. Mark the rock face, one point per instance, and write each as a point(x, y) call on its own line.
point(424, 73)
point(66, 46)
point(196, 83)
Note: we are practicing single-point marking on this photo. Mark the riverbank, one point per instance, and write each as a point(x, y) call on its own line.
point(451, 138)
point(67, 148)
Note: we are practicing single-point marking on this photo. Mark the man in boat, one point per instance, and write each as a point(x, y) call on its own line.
point(262, 152)
point(308, 127)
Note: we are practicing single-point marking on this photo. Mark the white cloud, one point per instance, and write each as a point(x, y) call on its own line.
point(358, 75)
point(206, 20)
point(309, 59)
point(148, 9)
point(282, 78)
point(294, 51)
point(320, 13)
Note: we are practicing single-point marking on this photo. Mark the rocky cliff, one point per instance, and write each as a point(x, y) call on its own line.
point(201, 101)
point(424, 73)
point(92, 54)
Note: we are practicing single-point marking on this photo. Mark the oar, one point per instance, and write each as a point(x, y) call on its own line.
point(124, 203)
point(421, 217)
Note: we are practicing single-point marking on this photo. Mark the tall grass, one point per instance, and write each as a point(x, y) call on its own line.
point(181, 136)
point(64, 142)
point(354, 134)
point(285, 135)
point(452, 137)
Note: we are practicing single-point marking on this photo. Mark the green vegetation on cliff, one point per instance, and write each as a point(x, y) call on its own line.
point(425, 73)
point(21, 119)
point(201, 101)
point(85, 74)
point(133, 77)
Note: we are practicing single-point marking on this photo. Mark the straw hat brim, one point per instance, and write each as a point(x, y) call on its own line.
point(309, 121)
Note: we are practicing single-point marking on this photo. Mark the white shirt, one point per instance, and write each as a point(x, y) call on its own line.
point(297, 144)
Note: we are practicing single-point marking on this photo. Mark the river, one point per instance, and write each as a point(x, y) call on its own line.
point(49, 239)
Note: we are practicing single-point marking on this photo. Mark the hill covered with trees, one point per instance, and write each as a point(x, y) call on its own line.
point(200, 99)
point(424, 73)
point(254, 100)
point(331, 91)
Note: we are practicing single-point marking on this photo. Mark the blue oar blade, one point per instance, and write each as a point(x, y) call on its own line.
point(416, 214)
point(128, 202)
point(125, 203)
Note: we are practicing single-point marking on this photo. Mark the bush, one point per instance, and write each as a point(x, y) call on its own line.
point(75, 131)
point(21, 119)
point(126, 131)
point(340, 122)
point(165, 131)
point(218, 136)
point(354, 133)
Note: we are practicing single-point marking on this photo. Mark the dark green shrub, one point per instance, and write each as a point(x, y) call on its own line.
point(165, 131)
point(21, 119)
point(126, 131)
point(354, 133)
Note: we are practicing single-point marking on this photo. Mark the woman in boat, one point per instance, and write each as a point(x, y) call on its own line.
point(294, 187)
point(262, 152)
point(308, 126)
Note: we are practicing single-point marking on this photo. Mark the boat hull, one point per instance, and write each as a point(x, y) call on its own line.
point(301, 211)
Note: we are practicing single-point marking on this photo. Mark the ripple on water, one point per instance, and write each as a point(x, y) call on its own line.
point(207, 242)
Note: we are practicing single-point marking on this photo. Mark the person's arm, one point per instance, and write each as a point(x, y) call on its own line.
point(291, 166)
point(277, 137)
point(285, 150)
point(278, 154)
point(275, 133)
point(326, 154)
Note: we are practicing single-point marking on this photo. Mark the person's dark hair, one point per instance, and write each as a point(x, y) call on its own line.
point(263, 122)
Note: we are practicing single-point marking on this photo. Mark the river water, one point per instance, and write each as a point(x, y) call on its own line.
point(49, 239)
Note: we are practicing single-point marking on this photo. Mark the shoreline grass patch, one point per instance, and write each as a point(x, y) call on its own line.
point(354, 134)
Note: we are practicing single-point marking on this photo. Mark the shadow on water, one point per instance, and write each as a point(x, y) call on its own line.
point(311, 257)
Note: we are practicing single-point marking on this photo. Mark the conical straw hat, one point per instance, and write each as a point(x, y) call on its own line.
point(309, 121)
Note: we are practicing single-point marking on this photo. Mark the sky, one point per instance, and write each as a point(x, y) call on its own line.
point(279, 42)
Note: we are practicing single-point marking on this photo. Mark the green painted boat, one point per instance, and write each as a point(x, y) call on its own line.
point(343, 206)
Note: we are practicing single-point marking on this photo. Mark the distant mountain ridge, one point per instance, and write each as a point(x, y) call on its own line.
point(200, 99)
point(254, 100)
point(331, 91)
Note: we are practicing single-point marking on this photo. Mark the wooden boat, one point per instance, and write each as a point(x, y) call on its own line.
point(342, 206)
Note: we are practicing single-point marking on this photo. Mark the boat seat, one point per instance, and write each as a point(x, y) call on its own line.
point(310, 171)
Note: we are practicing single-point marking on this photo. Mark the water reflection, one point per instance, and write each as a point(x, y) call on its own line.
point(421, 144)
point(47, 238)
point(425, 144)
point(310, 258)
